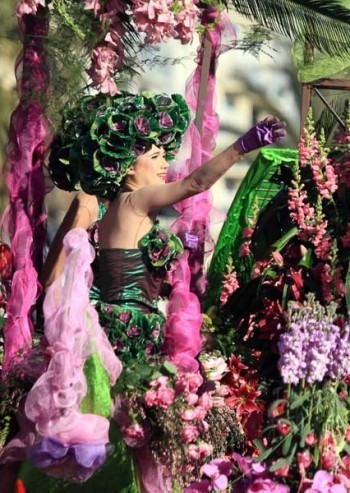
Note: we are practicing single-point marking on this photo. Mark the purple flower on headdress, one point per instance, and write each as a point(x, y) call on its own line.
point(120, 126)
point(165, 120)
point(110, 165)
point(166, 138)
point(163, 100)
point(139, 149)
point(142, 125)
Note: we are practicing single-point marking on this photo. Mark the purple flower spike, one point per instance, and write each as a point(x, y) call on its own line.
point(142, 125)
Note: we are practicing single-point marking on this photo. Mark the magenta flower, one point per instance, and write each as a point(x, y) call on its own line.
point(199, 487)
point(189, 433)
point(261, 485)
point(218, 470)
point(142, 125)
point(165, 120)
point(323, 483)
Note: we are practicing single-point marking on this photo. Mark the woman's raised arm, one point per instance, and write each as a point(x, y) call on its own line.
point(153, 197)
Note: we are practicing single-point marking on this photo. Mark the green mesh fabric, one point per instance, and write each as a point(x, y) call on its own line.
point(257, 189)
point(97, 399)
point(116, 476)
point(323, 66)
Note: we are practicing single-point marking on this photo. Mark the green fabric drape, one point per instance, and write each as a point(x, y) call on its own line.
point(257, 189)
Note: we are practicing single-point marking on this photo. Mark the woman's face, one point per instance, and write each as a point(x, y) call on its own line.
point(150, 168)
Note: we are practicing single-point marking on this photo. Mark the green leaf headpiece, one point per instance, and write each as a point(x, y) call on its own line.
point(99, 143)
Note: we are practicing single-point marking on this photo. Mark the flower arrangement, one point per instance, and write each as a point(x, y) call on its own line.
point(284, 316)
point(175, 414)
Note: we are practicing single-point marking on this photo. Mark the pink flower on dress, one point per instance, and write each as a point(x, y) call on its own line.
point(104, 63)
point(28, 7)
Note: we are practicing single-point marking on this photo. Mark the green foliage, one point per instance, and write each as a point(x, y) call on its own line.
point(325, 25)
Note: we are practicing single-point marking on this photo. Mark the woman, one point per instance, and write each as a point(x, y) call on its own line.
point(123, 158)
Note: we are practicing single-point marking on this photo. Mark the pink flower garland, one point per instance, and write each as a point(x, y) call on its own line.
point(165, 19)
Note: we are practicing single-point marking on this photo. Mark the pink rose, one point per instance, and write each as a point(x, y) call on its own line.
point(165, 397)
point(206, 401)
point(189, 433)
point(192, 399)
point(188, 415)
point(151, 398)
point(205, 450)
point(135, 436)
point(189, 383)
point(311, 439)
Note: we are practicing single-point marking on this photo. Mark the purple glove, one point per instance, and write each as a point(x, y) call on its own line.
point(263, 133)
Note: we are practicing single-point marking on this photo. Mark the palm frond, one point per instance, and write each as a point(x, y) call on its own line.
point(327, 121)
point(323, 24)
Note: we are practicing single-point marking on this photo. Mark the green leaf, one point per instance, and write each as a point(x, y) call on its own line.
point(299, 401)
point(169, 368)
point(287, 444)
point(265, 454)
point(282, 242)
point(306, 430)
point(306, 260)
point(324, 25)
point(278, 464)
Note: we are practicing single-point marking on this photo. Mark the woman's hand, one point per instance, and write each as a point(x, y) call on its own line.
point(263, 133)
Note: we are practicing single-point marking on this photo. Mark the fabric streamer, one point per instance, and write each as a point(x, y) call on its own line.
point(24, 219)
point(184, 319)
point(71, 444)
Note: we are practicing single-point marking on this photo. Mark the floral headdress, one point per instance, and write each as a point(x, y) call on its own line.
point(97, 152)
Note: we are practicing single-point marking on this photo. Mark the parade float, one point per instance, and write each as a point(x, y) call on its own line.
point(264, 404)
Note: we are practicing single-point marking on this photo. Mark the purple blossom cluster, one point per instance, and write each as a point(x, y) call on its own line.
point(314, 347)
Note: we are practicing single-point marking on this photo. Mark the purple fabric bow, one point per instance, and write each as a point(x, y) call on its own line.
point(49, 452)
point(263, 133)
point(189, 239)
